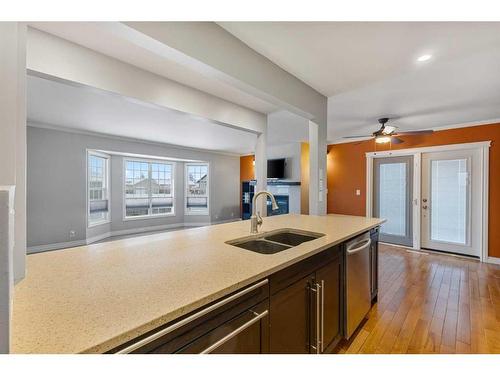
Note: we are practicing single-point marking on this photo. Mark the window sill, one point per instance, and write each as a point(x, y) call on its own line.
point(147, 217)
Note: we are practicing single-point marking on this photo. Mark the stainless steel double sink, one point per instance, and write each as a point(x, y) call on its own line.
point(275, 241)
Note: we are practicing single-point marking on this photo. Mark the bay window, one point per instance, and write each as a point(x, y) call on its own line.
point(148, 189)
point(197, 186)
point(98, 188)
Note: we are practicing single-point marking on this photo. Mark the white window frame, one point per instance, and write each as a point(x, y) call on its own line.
point(187, 212)
point(124, 182)
point(107, 184)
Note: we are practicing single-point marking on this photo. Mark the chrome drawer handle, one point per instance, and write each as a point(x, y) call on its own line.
point(189, 319)
point(241, 328)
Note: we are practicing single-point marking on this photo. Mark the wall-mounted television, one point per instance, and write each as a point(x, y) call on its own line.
point(276, 168)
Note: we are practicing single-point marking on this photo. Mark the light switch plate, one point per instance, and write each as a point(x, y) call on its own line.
point(358, 192)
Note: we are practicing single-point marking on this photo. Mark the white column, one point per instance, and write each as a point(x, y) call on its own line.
point(13, 167)
point(21, 148)
point(6, 264)
point(317, 169)
point(261, 170)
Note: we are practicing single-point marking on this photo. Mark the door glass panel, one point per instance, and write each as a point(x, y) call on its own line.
point(449, 197)
point(392, 198)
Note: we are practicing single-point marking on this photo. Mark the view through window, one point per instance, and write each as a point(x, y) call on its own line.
point(98, 188)
point(148, 188)
point(197, 189)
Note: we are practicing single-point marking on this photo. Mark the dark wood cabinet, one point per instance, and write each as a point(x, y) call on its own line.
point(305, 313)
point(290, 318)
point(328, 277)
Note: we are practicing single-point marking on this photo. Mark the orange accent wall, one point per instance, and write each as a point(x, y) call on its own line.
point(304, 178)
point(247, 171)
point(346, 171)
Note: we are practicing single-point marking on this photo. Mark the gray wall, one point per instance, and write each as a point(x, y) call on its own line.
point(290, 151)
point(56, 189)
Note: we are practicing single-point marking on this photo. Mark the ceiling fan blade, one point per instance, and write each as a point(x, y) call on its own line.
point(358, 136)
point(389, 129)
point(396, 140)
point(415, 132)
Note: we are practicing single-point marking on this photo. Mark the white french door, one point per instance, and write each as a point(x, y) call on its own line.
point(451, 206)
point(392, 198)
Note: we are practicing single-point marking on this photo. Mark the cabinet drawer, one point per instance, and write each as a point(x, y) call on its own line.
point(247, 333)
point(175, 335)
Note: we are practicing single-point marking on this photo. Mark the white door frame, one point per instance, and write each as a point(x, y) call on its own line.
point(417, 175)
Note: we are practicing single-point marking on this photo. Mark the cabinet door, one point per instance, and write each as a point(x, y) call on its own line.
point(328, 278)
point(290, 318)
point(247, 333)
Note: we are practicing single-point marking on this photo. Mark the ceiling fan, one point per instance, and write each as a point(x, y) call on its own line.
point(387, 133)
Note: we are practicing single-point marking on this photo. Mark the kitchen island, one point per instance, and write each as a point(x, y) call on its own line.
point(92, 299)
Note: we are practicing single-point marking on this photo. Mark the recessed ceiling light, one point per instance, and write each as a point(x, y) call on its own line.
point(424, 58)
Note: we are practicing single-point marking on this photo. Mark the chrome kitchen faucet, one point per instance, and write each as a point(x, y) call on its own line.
point(256, 219)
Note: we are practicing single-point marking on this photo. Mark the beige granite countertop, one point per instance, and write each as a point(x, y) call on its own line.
point(92, 298)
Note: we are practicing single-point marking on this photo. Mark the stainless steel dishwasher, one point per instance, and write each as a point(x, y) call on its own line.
point(358, 295)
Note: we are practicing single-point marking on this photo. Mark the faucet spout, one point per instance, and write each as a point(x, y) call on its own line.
point(256, 219)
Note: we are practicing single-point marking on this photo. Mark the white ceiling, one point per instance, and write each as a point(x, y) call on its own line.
point(89, 109)
point(100, 37)
point(369, 70)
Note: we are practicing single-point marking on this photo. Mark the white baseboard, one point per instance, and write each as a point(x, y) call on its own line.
point(123, 232)
point(197, 224)
point(55, 246)
point(493, 260)
point(97, 238)
point(205, 223)
point(225, 221)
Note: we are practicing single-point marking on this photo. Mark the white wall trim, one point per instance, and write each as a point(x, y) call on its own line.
point(417, 155)
point(124, 232)
point(55, 246)
point(485, 162)
point(413, 151)
point(493, 260)
point(369, 186)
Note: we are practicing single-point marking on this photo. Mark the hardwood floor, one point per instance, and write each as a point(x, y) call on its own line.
point(431, 303)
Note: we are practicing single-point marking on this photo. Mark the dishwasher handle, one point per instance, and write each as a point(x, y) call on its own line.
point(359, 246)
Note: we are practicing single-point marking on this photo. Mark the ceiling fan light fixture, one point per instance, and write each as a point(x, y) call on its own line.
point(382, 139)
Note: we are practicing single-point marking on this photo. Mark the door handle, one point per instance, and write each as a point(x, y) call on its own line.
point(317, 293)
point(322, 315)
